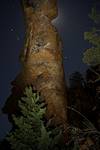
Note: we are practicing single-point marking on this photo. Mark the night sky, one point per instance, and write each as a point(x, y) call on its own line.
point(71, 23)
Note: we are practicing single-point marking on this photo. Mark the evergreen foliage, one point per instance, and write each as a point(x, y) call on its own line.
point(31, 132)
point(92, 55)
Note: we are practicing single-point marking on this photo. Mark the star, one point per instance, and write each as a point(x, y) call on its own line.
point(11, 29)
point(18, 38)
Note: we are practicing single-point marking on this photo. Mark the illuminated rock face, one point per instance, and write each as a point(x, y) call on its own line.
point(42, 61)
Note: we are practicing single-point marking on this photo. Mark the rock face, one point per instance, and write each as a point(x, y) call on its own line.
point(42, 61)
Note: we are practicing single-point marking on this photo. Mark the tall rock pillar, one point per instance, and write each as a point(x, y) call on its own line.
point(42, 61)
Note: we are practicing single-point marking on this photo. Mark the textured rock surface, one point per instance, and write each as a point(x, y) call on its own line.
point(42, 61)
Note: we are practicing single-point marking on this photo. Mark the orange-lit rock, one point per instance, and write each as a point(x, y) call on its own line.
point(42, 61)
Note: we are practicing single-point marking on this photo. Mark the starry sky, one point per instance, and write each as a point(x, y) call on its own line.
point(71, 23)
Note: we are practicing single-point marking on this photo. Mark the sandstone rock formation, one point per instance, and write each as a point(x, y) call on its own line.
point(42, 61)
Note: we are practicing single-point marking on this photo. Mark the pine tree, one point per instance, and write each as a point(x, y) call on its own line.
point(92, 55)
point(31, 132)
point(28, 124)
